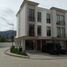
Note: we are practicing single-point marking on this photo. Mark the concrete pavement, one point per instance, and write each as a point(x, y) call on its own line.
point(9, 61)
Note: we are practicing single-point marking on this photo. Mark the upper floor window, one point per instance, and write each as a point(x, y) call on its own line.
point(48, 18)
point(31, 15)
point(31, 30)
point(39, 30)
point(48, 31)
point(60, 20)
point(60, 32)
point(39, 16)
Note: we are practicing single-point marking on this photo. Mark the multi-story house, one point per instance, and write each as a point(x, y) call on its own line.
point(37, 27)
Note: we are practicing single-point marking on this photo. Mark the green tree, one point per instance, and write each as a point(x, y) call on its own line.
point(2, 38)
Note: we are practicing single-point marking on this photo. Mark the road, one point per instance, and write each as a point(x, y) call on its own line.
point(9, 61)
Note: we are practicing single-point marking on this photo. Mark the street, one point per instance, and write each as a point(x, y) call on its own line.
point(10, 61)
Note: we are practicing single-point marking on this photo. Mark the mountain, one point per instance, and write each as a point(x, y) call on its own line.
point(8, 33)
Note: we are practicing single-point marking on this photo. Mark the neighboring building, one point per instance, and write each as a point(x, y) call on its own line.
point(37, 27)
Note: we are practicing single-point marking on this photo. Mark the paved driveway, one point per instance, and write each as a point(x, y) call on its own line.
point(9, 61)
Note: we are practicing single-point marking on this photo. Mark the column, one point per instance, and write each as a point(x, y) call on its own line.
point(23, 44)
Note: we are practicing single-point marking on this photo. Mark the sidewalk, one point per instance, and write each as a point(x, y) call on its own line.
point(45, 56)
point(37, 56)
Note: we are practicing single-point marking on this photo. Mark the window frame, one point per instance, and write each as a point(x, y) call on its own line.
point(39, 16)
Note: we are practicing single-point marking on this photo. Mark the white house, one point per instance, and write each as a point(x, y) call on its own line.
point(37, 27)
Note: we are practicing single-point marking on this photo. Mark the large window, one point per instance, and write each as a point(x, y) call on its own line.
point(31, 30)
point(60, 32)
point(60, 20)
point(39, 16)
point(48, 18)
point(31, 15)
point(48, 31)
point(39, 30)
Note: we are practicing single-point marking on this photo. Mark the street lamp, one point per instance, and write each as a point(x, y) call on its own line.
point(12, 37)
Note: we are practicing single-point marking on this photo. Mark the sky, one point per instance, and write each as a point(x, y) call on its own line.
point(9, 8)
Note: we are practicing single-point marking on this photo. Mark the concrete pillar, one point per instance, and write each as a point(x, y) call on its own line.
point(41, 45)
point(16, 43)
point(23, 44)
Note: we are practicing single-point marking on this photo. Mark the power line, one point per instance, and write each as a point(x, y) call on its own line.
point(7, 21)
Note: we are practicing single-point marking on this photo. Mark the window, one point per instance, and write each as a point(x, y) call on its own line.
point(48, 18)
point(48, 31)
point(60, 20)
point(31, 29)
point(60, 32)
point(31, 16)
point(39, 30)
point(39, 16)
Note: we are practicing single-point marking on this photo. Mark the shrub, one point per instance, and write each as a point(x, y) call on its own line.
point(12, 48)
point(15, 50)
point(20, 49)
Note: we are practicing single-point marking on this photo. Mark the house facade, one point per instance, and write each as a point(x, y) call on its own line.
point(37, 27)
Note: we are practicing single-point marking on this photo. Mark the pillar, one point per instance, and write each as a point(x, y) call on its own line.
point(23, 44)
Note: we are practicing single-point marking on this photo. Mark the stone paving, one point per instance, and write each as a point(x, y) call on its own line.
point(10, 61)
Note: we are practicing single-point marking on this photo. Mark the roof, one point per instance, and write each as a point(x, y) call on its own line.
point(58, 9)
point(28, 2)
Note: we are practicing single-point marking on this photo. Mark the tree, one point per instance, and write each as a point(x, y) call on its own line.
point(2, 38)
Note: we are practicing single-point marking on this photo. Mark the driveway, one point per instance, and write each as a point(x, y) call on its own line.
point(9, 61)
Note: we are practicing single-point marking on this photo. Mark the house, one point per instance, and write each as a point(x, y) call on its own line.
point(37, 27)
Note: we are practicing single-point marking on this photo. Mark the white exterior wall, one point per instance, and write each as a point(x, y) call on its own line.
point(44, 34)
point(43, 21)
point(66, 24)
point(22, 22)
point(17, 33)
point(53, 23)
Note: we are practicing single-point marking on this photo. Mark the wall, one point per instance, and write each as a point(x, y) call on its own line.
point(21, 31)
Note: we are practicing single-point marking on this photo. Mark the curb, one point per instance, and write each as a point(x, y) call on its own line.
point(7, 52)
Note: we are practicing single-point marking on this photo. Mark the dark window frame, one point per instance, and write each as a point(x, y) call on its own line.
point(39, 16)
point(48, 31)
point(31, 15)
point(31, 30)
point(59, 20)
point(48, 18)
point(39, 30)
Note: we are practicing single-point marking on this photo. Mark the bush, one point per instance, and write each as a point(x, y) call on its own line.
point(12, 48)
point(20, 49)
point(15, 50)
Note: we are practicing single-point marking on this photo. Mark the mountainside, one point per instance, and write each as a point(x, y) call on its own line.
point(8, 33)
